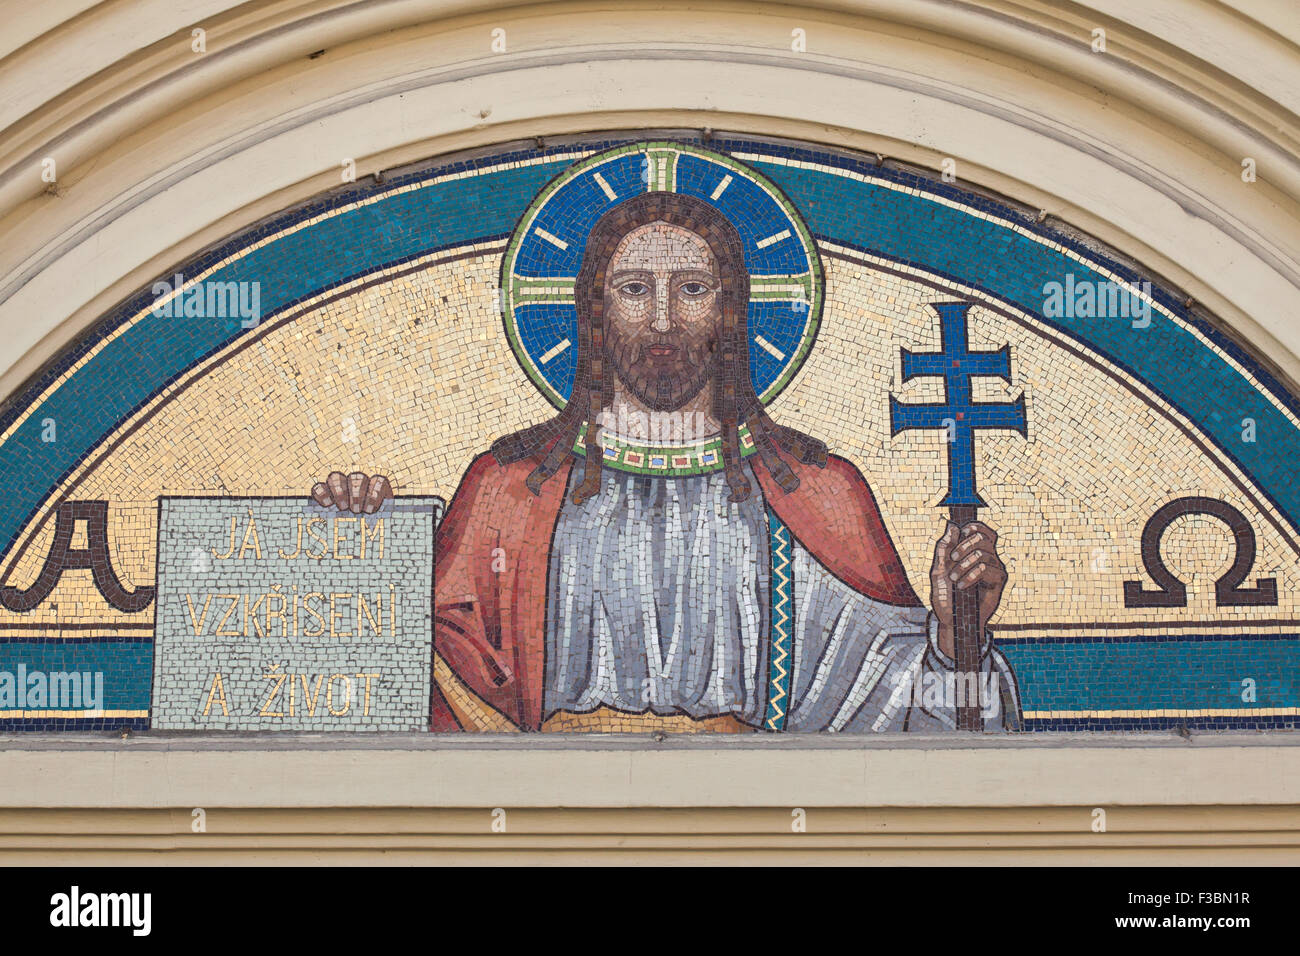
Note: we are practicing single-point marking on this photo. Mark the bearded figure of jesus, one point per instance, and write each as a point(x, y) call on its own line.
point(756, 590)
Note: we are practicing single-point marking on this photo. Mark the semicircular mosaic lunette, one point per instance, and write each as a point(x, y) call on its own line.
point(644, 434)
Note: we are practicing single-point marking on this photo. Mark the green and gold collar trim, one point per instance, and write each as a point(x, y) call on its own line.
point(671, 461)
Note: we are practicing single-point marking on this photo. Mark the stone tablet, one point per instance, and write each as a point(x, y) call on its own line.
point(277, 614)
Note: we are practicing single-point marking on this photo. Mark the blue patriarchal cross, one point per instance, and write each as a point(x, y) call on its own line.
point(958, 413)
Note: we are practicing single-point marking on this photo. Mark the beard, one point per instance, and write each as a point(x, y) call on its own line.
point(661, 383)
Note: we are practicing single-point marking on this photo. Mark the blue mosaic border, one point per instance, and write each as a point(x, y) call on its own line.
point(1004, 640)
point(525, 182)
point(127, 666)
point(1171, 675)
point(72, 724)
point(522, 184)
point(1113, 724)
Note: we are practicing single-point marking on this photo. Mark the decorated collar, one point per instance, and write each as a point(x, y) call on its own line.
point(672, 461)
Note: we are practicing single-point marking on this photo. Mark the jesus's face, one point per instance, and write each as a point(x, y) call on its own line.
point(663, 313)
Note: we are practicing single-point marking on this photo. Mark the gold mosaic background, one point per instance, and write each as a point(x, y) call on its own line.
point(412, 377)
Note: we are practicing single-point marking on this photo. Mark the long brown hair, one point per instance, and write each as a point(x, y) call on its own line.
point(734, 399)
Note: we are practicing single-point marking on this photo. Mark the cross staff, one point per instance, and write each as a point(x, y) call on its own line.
point(959, 415)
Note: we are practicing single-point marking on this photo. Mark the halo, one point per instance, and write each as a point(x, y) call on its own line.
point(541, 263)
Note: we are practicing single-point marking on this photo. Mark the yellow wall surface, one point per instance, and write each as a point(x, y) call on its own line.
point(165, 141)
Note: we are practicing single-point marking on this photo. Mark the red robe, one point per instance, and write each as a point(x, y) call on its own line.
point(490, 605)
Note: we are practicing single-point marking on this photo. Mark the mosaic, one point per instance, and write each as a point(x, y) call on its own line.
point(633, 435)
point(264, 603)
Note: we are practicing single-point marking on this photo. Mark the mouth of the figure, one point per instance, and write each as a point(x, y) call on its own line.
point(661, 352)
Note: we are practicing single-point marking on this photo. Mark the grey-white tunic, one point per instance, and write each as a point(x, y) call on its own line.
point(660, 600)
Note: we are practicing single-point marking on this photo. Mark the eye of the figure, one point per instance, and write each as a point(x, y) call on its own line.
point(694, 289)
point(635, 289)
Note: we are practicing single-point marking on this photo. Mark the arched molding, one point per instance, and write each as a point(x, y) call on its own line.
point(161, 151)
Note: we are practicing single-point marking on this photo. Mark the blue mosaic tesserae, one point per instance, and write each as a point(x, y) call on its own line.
point(626, 434)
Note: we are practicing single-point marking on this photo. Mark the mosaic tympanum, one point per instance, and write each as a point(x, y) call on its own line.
point(737, 436)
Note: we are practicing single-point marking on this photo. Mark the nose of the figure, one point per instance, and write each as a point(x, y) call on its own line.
point(663, 321)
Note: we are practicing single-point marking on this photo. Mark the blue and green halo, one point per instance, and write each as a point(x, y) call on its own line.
point(542, 260)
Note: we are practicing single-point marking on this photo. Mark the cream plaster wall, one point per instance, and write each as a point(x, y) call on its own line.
point(161, 151)
point(164, 150)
